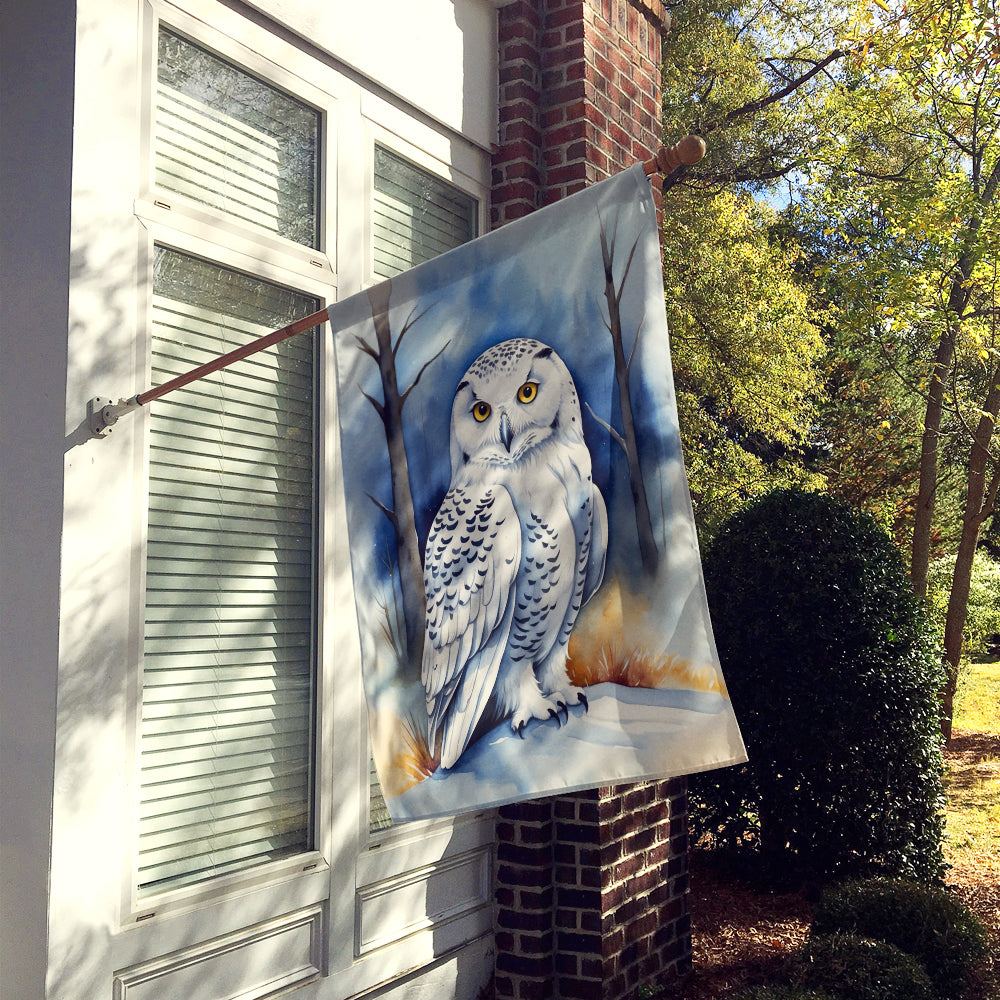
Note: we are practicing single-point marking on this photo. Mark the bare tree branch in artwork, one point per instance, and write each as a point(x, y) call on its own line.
point(401, 514)
point(648, 550)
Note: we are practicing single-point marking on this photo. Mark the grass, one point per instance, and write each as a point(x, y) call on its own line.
point(978, 698)
point(973, 783)
point(973, 810)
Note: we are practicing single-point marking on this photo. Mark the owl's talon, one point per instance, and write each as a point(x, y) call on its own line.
point(583, 699)
point(564, 707)
point(553, 714)
point(520, 729)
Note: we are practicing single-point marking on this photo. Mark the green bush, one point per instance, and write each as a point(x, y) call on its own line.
point(925, 922)
point(856, 968)
point(833, 672)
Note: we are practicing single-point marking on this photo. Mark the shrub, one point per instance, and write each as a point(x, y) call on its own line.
point(856, 968)
point(833, 673)
point(926, 922)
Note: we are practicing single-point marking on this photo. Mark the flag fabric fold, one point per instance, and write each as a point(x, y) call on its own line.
point(528, 588)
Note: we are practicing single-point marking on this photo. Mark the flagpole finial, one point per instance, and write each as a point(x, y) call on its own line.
point(668, 158)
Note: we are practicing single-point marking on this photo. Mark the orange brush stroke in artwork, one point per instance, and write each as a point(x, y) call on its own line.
point(612, 643)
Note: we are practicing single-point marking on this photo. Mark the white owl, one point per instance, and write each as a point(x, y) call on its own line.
point(515, 551)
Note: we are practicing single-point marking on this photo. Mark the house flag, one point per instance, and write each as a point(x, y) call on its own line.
point(528, 587)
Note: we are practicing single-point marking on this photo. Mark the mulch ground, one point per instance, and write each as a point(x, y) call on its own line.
point(742, 934)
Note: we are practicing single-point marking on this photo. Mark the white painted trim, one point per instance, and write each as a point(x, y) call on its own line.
point(96, 925)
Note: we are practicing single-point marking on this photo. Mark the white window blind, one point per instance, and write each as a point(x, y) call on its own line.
point(228, 140)
point(228, 687)
point(416, 216)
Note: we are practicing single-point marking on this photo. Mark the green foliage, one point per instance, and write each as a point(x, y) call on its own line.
point(745, 411)
point(737, 72)
point(857, 968)
point(926, 922)
point(833, 673)
point(983, 613)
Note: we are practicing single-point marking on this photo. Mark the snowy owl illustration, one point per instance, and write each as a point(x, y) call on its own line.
point(515, 551)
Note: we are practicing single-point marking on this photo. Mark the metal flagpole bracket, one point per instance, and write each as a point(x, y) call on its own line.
point(103, 413)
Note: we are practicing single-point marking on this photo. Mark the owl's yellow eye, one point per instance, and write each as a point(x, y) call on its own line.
point(527, 392)
point(481, 411)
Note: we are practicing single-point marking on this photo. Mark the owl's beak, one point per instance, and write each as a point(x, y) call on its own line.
point(506, 434)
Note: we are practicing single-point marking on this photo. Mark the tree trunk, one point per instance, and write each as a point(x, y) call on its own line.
point(648, 551)
point(926, 491)
point(958, 300)
point(980, 499)
point(402, 515)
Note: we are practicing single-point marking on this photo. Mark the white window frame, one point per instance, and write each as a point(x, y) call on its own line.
point(180, 224)
point(351, 876)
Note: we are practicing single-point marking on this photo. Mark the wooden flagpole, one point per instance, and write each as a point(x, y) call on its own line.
point(102, 413)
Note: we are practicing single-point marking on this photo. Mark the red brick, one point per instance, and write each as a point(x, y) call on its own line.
point(521, 965)
point(518, 111)
point(569, 15)
point(579, 942)
point(581, 989)
point(515, 875)
point(569, 132)
point(566, 174)
point(518, 920)
point(553, 117)
point(531, 944)
point(518, 49)
point(519, 149)
point(566, 964)
point(521, 90)
point(551, 39)
point(569, 52)
point(530, 899)
point(521, 130)
point(642, 882)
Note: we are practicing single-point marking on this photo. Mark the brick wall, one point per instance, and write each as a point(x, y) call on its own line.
point(591, 893)
point(579, 96)
point(591, 889)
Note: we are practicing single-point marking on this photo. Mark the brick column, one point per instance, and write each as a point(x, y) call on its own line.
point(621, 883)
point(591, 889)
point(579, 96)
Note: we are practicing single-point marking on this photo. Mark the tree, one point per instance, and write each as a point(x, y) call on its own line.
point(914, 184)
point(746, 77)
point(401, 513)
point(648, 551)
point(747, 357)
point(747, 353)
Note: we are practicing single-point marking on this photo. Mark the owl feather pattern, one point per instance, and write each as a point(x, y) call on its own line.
point(516, 549)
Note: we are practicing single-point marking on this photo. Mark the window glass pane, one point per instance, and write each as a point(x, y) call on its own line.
point(416, 215)
point(228, 679)
point(228, 140)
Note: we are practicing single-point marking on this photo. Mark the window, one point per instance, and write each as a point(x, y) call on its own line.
point(228, 140)
point(415, 216)
point(229, 646)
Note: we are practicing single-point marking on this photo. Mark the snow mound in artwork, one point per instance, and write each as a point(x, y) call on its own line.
point(626, 735)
